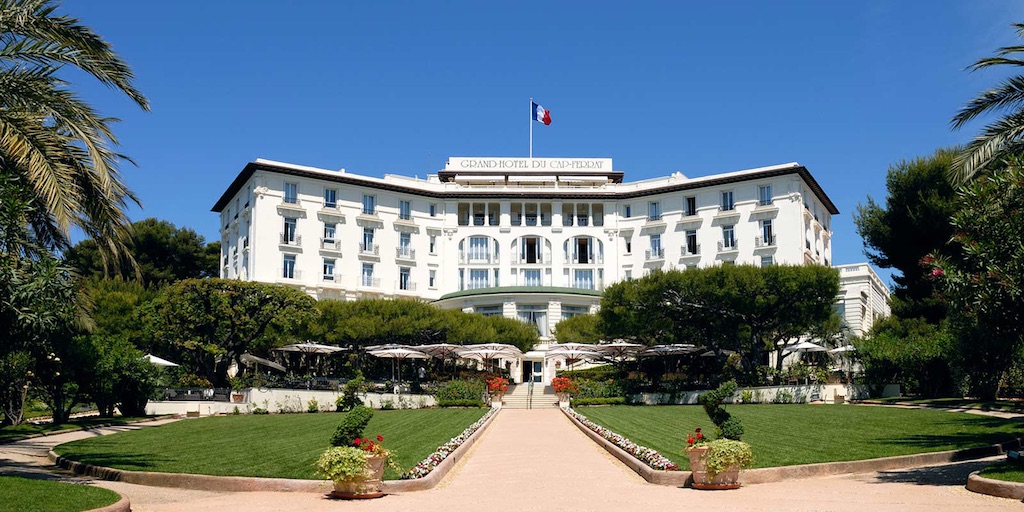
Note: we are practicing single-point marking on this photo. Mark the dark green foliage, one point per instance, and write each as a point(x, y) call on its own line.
point(913, 353)
point(913, 222)
point(460, 403)
point(579, 329)
point(458, 389)
point(352, 426)
point(615, 400)
point(122, 377)
point(349, 398)
point(728, 427)
point(590, 388)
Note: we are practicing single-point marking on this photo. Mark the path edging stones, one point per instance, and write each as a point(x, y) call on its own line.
point(258, 484)
point(122, 505)
point(769, 475)
point(90, 427)
point(993, 487)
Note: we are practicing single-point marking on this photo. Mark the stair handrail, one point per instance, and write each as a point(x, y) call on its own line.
point(529, 395)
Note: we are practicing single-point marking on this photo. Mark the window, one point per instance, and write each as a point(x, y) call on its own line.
point(536, 314)
point(368, 274)
point(329, 270)
point(478, 278)
point(329, 231)
point(571, 311)
point(404, 283)
point(369, 204)
point(654, 210)
point(433, 244)
point(583, 279)
point(764, 195)
point(493, 310)
point(432, 281)
point(289, 231)
point(656, 245)
point(330, 198)
point(691, 206)
point(629, 245)
point(405, 246)
point(433, 209)
point(530, 250)
point(367, 245)
point(767, 233)
point(629, 211)
point(691, 242)
point(729, 237)
point(628, 275)
point(767, 261)
point(479, 248)
point(291, 193)
point(727, 201)
point(404, 210)
point(289, 267)
point(531, 277)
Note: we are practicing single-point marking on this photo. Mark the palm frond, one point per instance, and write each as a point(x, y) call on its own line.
point(997, 140)
point(1008, 94)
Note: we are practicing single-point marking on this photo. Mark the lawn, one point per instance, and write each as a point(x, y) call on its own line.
point(784, 435)
point(33, 495)
point(280, 445)
point(996, 405)
point(1010, 471)
point(8, 434)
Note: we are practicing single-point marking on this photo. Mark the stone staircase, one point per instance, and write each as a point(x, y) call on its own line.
point(518, 397)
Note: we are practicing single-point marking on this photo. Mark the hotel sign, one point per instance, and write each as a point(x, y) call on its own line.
point(519, 164)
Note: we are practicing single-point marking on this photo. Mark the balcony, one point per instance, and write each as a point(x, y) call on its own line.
point(764, 241)
point(405, 253)
point(330, 245)
point(540, 260)
point(294, 275)
point(728, 246)
point(407, 286)
point(654, 254)
point(291, 239)
point(689, 251)
point(369, 212)
point(596, 259)
point(245, 244)
point(725, 213)
point(331, 279)
point(477, 259)
point(290, 205)
point(370, 281)
point(369, 249)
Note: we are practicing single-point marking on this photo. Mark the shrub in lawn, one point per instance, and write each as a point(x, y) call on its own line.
point(349, 398)
point(312, 405)
point(459, 403)
point(352, 426)
point(614, 400)
point(589, 388)
point(783, 397)
point(458, 389)
point(728, 427)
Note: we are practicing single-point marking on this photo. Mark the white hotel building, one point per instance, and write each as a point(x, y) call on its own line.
point(535, 239)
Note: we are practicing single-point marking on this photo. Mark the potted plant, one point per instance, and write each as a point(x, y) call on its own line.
point(236, 384)
point(564, 387)
point(358, 470)
point(717, 464)
point(497, 388)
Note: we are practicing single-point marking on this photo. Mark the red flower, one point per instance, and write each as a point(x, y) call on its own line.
point(937, 272)
point(697, 430)
point(380, 437)
point(357, 441)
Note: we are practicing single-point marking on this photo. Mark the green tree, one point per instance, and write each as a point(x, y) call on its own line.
point(985, 285)
point(163, 253)
point(913, 222)
point(579, 329)
point(115, 307)
point(1004, 136)
point(122, 377)
point(53, 145)
point(209, 323)
point(917, 355)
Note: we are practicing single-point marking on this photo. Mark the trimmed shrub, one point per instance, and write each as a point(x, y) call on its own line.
point(349, 398)
point(615, 400)
point(352, 426)
point(588, 388)
point(473, 389)
point(460, 403)
point(728, 427)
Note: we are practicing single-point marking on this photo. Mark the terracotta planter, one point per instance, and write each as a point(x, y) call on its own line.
point(237, 397)
point(728, 479)
point(366, 487)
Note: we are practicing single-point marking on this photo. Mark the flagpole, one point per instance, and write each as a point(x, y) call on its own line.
point(531, 127)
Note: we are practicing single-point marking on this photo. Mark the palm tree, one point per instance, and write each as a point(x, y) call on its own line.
point(54, 146)
point(1004, 136)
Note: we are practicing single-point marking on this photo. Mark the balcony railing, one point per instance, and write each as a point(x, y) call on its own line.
point(332, 278)
point(540, 260)
point(591, 260)
point(404, 216)
point(405, 253)
point(691, 250)
point(479, 258)
point(330, 244)
point(294, 274)
point(408, 286)
point(370, 211)
point(727, 246)
point(654, 254)
point(330, 205)
point(764, 241)
point(370, 281)
point(373, 249)
point(291, 239)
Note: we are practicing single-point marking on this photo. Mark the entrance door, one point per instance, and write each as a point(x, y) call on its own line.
point(533, 371)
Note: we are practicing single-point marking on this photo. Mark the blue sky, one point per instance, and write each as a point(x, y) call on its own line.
point(845, 88)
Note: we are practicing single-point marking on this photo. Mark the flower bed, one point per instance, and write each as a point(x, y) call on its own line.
point(650, 457)
point(428, 464)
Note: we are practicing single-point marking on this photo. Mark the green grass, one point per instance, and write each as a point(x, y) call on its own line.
point(997, 405)
point(1010, 471)
point(33, 495)
point(8, 434)
point(785, 435)
point(282, 446)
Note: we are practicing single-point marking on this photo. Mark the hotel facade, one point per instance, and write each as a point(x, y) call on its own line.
point(536, 239)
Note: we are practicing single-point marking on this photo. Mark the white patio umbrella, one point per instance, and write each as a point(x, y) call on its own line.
point(399, 355)
point(158, 361)
point(669, 350)
point(619, 350)
point(386, 346)
point(572, 355)
point(805, 346)
point(253, 360)
point(442, 351)
point(495, 346)
point(719, 352)
point(487, 354)
point(309, 347)
point(842, 349)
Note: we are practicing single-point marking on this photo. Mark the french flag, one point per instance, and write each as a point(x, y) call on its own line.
point(539, 113)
